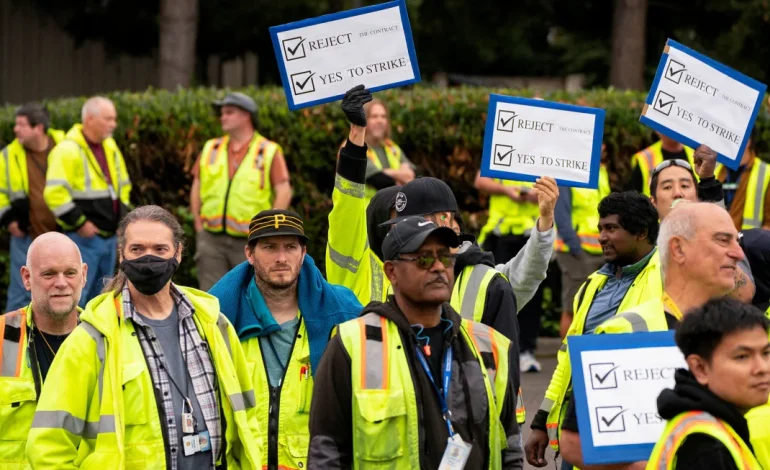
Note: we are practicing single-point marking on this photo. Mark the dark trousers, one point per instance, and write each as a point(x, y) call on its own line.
point(504, 249)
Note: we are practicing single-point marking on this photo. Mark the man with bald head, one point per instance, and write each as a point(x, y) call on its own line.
point(55, 275)
point(88, 189)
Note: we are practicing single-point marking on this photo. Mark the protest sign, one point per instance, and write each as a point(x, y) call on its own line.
point(616, 381)
point(696, 100)
point(527, 138)
point(321, 58)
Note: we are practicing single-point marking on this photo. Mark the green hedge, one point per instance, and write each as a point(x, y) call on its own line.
point(441, 130)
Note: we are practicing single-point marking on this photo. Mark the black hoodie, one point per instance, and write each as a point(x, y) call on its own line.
point(378, 212)
point(700, 451)
point(331, 437)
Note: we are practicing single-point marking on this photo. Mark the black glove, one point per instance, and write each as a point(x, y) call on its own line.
point(353, 105)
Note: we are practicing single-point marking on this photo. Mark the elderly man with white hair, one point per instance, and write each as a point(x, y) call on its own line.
point(88, 189)
point(31, 336)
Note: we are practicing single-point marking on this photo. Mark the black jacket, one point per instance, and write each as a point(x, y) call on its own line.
point(700, 451)
point(331, 437)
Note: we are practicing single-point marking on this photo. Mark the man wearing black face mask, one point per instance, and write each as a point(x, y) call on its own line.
point(154, 376)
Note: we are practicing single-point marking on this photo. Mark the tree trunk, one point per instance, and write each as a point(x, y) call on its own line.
point(629, 24)
point(178, 33)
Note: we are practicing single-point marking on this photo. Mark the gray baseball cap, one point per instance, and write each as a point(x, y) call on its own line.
point(237, 99)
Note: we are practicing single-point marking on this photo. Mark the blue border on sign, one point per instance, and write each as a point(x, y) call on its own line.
point(489, 129)
point(576, 345)
point(274, 30)
point(734, 74)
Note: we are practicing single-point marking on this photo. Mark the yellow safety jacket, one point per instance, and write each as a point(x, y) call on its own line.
point(651, 157)
point(98, 410)
point(693, 422)
point(469, 295)
point(76, 189)
point(506, 216)
point(756, 191)
point(645, 287)
point(285, 435)
point(349, 260)
point(14, 180)
point(385, 416)
point(585, 217)
point(228, 205)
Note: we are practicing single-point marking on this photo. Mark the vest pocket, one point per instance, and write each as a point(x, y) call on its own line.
point(136, 393)
point(297, 446)
point(381, 425)
point(17, 408)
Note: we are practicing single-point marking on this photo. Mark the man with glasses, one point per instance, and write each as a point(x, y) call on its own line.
point(424, 381)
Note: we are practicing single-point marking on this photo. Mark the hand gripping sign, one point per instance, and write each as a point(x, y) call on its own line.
point(616, 380)
point(526, 138)
point(696, 100)
point(321, 58)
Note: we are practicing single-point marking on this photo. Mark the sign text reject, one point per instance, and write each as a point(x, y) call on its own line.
point(697, 100)
point(321, 58)
point(526, 139)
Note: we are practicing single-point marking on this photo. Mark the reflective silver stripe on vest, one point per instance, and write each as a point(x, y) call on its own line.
point(376, 278)
point(223, 323)
point(637, 321)
point(356, 190)
point(345, 262)
point(90, 195)
point(98, 338)
point(63, 209)
point(76, 426)
point(563, 347)
point(482, 335)
point(547, 404)
point(11, 348)
point(374, 351)
point(471, 291)
point(243, 401)
point(238, 227)
point(670, 441)
point(756, 219)
point(54, 183)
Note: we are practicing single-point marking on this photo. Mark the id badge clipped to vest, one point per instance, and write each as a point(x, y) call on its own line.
point(456, 454)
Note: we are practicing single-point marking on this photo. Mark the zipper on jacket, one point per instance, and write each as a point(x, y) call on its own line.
point(273, 413)
point(224, 209)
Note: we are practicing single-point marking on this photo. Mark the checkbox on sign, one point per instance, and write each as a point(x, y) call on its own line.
point(603, 375)
point(505, 120)
point(674, 71)
point(302, 82)
point(663, 103)
point(503, 155)
point(294, 48)
point(610, 418)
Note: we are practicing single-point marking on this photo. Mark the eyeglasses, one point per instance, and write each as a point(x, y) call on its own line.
point(673, 162)
point(426, 262)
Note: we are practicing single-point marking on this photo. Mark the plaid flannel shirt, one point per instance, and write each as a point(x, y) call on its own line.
point(199, 365)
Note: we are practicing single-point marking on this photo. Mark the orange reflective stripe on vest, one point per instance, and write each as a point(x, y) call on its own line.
point(14, 328)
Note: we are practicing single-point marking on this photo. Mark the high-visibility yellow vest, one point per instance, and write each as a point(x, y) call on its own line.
point(228, 206)
point(14, 179)
point(469, 295)
point(756, 191)
point(75, 179)
point(508, 217)
point(393, 152)
point(699, 422)
point(385, 416)
point(585, 215)
point(651, 157)
point(97, 409)
point(290, 437)
point(647, 286)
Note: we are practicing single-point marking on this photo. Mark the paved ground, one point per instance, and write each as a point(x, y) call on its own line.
point(534, 385)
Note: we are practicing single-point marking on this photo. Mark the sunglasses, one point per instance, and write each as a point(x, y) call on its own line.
point(426, 262)
point(673, 162)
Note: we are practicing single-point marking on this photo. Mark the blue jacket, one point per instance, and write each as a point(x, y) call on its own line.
point(323, 305)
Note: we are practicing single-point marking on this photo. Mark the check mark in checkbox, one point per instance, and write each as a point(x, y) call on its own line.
point(503, 155)
point(610, 418)
point(302, 82)
point(505, 120)
point(675, 71)
point(294, 48)
point(663, 103)
point(603, 375)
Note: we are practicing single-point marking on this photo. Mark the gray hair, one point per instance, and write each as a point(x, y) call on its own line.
point(680, 222)
point(93, 106)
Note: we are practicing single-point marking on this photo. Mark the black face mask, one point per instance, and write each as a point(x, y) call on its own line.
point(149, 273)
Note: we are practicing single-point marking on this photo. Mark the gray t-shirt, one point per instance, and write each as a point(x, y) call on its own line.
point(283, 341)
point(167, 331)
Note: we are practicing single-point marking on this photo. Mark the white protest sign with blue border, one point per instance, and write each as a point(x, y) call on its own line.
point(321, 58)
point(526, 139)
point(616, 381)
point(696, 100)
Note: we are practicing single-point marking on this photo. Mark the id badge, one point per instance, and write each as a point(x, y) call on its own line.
point(188, 423)
point(191, 445)
point(204, 441)
point(456, 454)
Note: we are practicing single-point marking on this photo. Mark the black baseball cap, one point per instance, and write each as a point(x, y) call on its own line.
point(238, 100)
point(408, 235)
point(422, 196)
point(276, 222)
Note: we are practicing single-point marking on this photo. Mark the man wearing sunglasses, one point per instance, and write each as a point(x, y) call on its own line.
point(645, 160)
point(410, 383)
